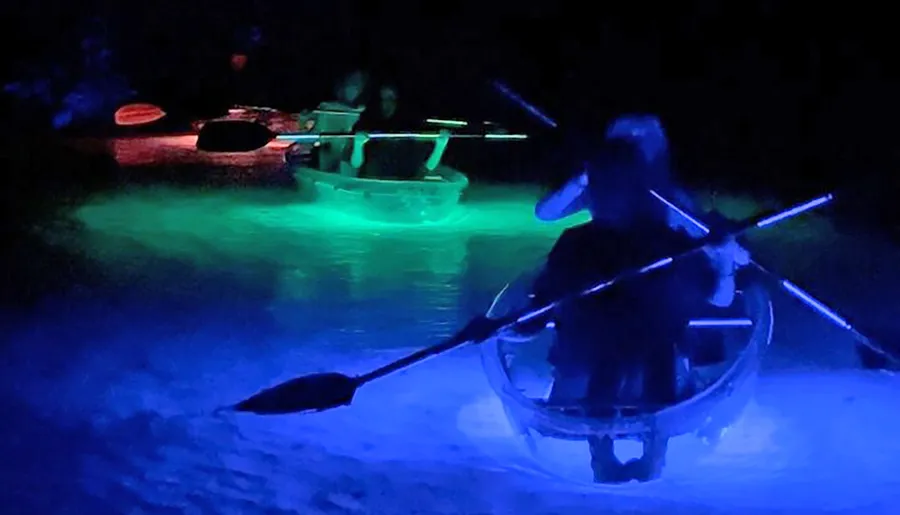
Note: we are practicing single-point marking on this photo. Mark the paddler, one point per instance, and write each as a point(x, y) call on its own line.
point(647, 134)
point(340, 115)
point(621, 347)
point(392, 159)
point(349, 96)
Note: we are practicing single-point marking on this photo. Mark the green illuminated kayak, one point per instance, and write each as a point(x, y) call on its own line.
point(393, 201)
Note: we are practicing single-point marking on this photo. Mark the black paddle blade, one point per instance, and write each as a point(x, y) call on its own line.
point(316, 392)
point(233, 136)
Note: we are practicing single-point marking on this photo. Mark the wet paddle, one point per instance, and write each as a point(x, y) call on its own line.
point(247, 136)
point(320, 392)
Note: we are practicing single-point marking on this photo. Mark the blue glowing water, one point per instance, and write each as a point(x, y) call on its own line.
point(207, 296)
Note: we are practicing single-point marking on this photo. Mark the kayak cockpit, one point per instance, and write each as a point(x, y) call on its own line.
point(713, 393)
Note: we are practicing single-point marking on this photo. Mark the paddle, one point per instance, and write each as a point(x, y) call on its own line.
point(793, 290)
point(786, 285)
point(138, 114)
point(320, 392)
point(445, 122)
point(247, 136)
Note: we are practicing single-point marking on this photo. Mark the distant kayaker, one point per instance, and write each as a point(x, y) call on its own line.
point(621, 347)
point(340, 115)
point(392, 159)
point(349, 94)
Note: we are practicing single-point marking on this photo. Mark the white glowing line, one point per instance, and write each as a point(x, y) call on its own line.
point(794, 211)
point(721, 322)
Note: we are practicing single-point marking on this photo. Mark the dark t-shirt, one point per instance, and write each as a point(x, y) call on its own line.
point(392, 159)
point(636, 323)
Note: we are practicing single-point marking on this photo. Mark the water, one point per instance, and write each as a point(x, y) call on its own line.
point(206, 296)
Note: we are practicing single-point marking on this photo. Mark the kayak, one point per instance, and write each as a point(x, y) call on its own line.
point(382, 200)
point(276, 121)
point(521, 377)
point(179, 149)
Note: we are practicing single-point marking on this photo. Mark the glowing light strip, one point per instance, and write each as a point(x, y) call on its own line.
point(802, 208)
point(721, 322)
point(448, 123)
point(810, 301)
point(505, 136)
point(696, 223)
point(312, 138)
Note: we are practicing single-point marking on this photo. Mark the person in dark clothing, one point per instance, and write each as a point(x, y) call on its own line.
point(645, 131)
point(392, 159)
point(617, 351)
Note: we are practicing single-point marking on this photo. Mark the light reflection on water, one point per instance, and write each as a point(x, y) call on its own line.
point(315, 268)
point(210, 295)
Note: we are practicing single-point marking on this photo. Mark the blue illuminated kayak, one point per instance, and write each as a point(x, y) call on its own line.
point(521, 377)
point(392, 201)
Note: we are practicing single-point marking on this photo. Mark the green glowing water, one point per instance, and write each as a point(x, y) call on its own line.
point(318, 268)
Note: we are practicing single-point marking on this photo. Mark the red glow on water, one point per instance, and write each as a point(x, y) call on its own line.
point(181, 149)
point(138, 114)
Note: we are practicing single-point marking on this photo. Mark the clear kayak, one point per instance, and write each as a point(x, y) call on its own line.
point(521, 377)
point(393, 201)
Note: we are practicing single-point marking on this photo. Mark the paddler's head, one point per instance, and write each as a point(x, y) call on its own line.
point(387, 100)
point(645, 131)
point(646, 134)
point(619, 180)
point(351, 88)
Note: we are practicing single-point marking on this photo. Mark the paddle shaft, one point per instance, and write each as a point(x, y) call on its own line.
point(420, 136)
point(529, 314)
point(792, 289)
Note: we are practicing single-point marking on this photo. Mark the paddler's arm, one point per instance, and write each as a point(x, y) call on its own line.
point(563, 202)
point(358, 155)
point(440, 145)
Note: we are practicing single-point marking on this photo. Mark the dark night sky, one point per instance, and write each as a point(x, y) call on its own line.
point(789, 94)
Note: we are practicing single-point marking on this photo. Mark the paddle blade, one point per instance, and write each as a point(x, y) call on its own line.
point(138, 114)
point(233, 136)
point(316, 392)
